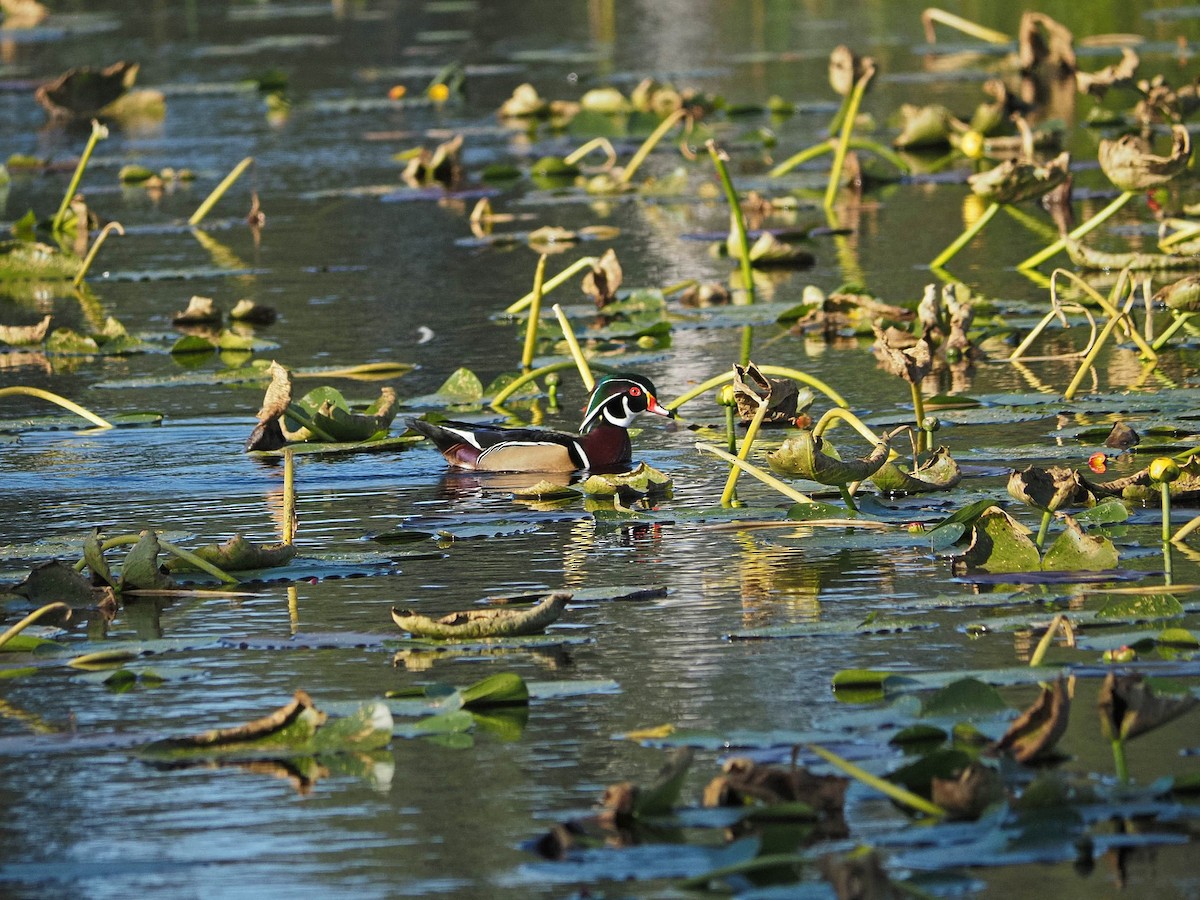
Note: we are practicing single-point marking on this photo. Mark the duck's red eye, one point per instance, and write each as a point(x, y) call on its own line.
point(635, 392)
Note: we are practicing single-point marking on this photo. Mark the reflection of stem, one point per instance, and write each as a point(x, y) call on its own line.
point(730, 434)
point(1118, 748)
point(586, 262)
point(643, 151)
point(293, 601)
point(965, 238)
point(1043, 528)
point(782, 371)
point(1099, 219)
point(747, 443)
point(585, 371)
point(535, 311)
point(55, 398)
point(765, 477)
point(1167, 574)
point(737, 222)
point(94, 249)
point(843, 144)
point(99, 133)
point(219, 191)
point(1047, 639)
point(747, 344)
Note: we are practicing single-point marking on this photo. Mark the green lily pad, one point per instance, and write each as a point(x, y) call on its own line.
point(32, 261)
point(1074, 550)
point(937, 473)
point(1000, 544)
point(462, 388)
point(805, 455)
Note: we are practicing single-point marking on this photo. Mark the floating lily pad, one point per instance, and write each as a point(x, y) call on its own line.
point(480, 623)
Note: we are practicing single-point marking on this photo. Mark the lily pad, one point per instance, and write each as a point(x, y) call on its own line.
point(481, 623)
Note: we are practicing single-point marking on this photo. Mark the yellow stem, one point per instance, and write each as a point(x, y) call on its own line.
point(655, 136)
point(897, 793)
point(219, 191)
point(586, 262)
point(289, 496)
point(585, 371)
point(30, 619)
point(781, 371)
point(843, 144)
point(94, 249)
point(966, 26)
point(55, 398)
point(747, 443)
point(597, 143)
point(750, 469)
point(535, 312)
point(838, 412)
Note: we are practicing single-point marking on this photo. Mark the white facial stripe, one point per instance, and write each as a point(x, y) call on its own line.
point(467, 437)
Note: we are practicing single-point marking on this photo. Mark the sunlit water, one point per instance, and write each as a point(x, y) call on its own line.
point(356, 275)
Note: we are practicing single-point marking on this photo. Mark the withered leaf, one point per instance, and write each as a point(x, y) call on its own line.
point(1129, 706)
point(1035, 732)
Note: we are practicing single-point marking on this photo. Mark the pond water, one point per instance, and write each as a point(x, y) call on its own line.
point(362, 269)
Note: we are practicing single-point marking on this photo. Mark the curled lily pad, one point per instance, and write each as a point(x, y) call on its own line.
point(784, 399)
point(1130, 165)
point(81, 93)
point(804, 455)
point(1048, 488)
point(1035, 732)
point(924, 126)
point(30, 260)
point(1014, 180)
point(602, 280)
point(200, 311)
point(485, 623)
point(462, 388)
point(141, 569)
point(937, 473)
point(525, 102)
point(329, 416)
point(1182, 295)
point(999, 543)
point(1141, 487)
point(912, 363)
point(1130, 705)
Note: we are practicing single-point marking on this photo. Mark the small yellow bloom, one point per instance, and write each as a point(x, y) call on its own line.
point(438, 93)
point(397, 91)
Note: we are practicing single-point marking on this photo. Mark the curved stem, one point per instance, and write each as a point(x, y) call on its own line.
point(596, 143)
point(843, 143)
point(963, 239)
point(520, 381)
point(55, 398)
point(219, 191)
point(94, 249)
point(30, 619)
point(781, 371)
point(839, 413)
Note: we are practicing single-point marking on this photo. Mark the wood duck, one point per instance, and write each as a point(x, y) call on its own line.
point(601, 445)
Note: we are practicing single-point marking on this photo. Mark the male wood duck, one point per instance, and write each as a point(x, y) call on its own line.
point(601, 445)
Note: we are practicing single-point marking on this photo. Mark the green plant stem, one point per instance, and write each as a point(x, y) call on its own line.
point(965, 238)
point(21, 390)
point(126, 540)
point(1095, 221)
point(1119, 762)
point(30, 619)
point(897, 793)
point(747, 345)
point(300, 414)
point(755, 472)
point(847, 497)
point(219, 191)
point(919, 414)
point(585, 262)
point(737, 220)
point(747, 443)
point(782, 371)
point(649, 144)
point(843, 143)
point(94, 249)
point(1165, 492)
point(99, 133)
point(289, 497)
point(585, 371)
point(1043, 527)
point(535, 312)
